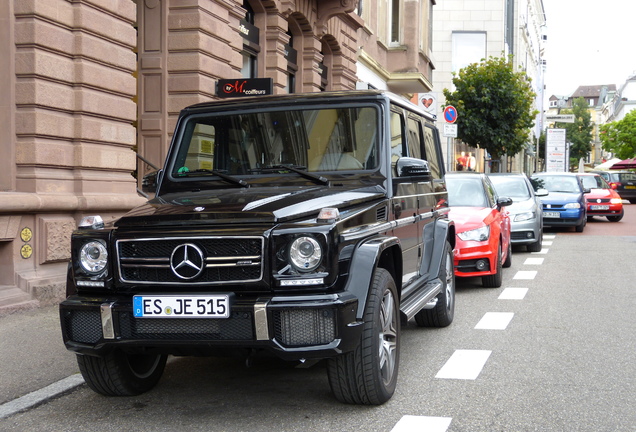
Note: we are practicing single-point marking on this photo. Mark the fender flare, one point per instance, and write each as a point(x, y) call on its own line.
point(434, 238)
point(364, 261)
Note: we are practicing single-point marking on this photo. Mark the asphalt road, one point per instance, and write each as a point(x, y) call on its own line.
point(551, 350)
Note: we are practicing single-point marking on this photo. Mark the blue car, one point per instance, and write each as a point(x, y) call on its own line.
point(565, 204)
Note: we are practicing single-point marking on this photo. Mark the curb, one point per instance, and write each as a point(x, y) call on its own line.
point(41, 396)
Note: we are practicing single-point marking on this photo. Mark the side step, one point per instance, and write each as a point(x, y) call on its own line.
point(425, 298)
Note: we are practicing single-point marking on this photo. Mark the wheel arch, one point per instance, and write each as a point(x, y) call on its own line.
point(379, 251)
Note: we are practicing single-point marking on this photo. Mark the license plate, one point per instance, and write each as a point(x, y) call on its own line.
point(179, 306)
point(551, 214)
point(630, 187)
point(599, 207)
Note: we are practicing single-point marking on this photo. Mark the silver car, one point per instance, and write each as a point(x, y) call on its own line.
point(526, 211)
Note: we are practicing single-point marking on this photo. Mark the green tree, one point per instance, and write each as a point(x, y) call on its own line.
point(619, 137)
point(579, 133)
point(495, 106)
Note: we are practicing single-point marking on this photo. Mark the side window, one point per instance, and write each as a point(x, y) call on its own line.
point(397, 138)
point(431, 152)
point(415, 138)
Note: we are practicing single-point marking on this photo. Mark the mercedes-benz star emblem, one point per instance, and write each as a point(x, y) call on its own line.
point(187, 261)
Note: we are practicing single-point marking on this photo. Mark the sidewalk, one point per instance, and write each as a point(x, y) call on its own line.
point(32, 354)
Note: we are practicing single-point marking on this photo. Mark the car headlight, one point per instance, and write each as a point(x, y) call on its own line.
point(93, 257)
point(572, 205)
point(479, 234)
point(305, 254)
point(616, 201)
point(520, 217)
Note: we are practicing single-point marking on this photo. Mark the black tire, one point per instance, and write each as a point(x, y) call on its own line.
point(616, 218)
point(536, 246)
point(121, 374)
point(368, 375)
point(580, 228)
point(508, 262)
point(444, 311)
point(494, 280)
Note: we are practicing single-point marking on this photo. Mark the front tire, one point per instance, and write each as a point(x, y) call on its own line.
point(444, 311)
point(616, 218)
point(368, 375)
point(494, 280)
point(121, 374)
point(508, 262)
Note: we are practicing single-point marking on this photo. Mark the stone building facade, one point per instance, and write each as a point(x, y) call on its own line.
point(90, 91)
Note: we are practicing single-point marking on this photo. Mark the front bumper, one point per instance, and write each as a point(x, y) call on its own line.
point(569, 217)
point(525, 232)
point(290, 327)
point(468, 254)
point(613, 209)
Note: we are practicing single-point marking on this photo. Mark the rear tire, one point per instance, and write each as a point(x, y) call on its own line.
point(121, 374)
point(444, 311)
point(368, 375)
point(495, 280)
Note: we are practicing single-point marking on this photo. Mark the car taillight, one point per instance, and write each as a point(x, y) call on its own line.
point(614, 185)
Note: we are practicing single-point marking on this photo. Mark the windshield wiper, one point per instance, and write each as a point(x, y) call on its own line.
point(301, 170)
point(223, 176)
point(298, 169)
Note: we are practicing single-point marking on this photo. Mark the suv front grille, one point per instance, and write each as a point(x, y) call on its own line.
point(223, 260)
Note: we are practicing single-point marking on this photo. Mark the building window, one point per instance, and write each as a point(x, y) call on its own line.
point(468, 47)
point(251, 47)
point(291, 55)
point(394, 22)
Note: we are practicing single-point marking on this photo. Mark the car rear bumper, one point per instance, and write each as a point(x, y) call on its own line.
point(313, 326)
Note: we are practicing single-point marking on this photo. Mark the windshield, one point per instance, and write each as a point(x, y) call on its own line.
point(466, 192)
point(511, 187)
point(558, 183)
point(329, 139)
point(594, 182)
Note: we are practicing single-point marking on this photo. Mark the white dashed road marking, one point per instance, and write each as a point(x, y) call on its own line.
point(513, 294)
point(533, 261)
point(464, 364)
point(526, 275)
point(495, 321)
point(410, 423)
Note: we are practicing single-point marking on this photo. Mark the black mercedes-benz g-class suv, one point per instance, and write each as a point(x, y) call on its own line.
point(307, 226)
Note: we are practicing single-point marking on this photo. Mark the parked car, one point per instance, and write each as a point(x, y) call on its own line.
point(565, 204)
point(482, 227)
point(526, 211)
point(301, 226)
point(624, 182)
point(602, 200)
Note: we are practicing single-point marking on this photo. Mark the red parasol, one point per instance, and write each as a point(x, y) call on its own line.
point(625, 164)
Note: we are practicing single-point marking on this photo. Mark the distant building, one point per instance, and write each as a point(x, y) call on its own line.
point(595, 97)
point(90, 92)
point(467, 31)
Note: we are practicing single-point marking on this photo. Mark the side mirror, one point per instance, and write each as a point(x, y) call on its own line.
point(503, 202)
point(587, 190)
point(149, 182)
point(407, 167)
point(541, 192)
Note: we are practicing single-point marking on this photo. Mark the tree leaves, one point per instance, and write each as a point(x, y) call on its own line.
point(495, 106)
point(619, 137)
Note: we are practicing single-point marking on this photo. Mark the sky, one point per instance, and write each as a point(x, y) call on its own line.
point(590, 42)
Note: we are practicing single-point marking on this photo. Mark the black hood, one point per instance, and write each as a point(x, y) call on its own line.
point(252, 205)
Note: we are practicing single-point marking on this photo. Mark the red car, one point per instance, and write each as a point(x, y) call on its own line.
point(602, 199)
point(482, 226)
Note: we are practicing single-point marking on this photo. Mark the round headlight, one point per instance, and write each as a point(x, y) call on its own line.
point(305, 254)
point(93, 257)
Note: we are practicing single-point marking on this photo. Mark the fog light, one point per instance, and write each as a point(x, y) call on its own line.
point(481, 265)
